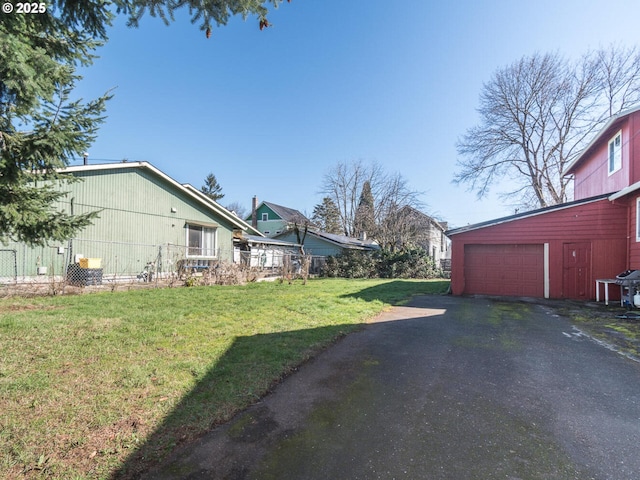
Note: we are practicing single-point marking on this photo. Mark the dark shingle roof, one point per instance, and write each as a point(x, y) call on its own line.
point(287, 214)
point(346, 241)
point(530, 213)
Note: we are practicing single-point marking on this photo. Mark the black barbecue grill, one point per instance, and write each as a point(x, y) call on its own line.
point(630, 280)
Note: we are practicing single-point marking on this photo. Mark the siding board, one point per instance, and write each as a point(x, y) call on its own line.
point(592, 174)
point(504, 269)
point(136, 217)
point(601, 222)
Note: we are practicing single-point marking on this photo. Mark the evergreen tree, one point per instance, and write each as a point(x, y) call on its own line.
point(41, 127)
point(365, 220)
point(212, 188)
point(327, 216)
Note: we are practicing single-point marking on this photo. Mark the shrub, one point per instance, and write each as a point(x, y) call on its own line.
point(351, 264)
point(410, 263)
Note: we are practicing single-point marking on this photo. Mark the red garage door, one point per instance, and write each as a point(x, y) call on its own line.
point(514, 270)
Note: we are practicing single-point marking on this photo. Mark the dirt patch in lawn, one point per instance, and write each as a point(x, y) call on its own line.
point(15, 308)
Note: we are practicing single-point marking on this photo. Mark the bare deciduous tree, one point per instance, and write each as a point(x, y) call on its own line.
point(620, 77)
point(398, 216)
point(238, 209)
point(537, 114)
point(344, 185)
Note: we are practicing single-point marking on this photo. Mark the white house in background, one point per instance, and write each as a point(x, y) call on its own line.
point(263, 252)
point(428, 233)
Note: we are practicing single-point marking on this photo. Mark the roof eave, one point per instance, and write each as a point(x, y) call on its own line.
point(221, 210)
point(612, 121)
point(186, 188)
point(625, 191)
point(531, 213)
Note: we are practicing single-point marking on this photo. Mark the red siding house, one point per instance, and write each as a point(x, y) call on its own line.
point(560, 251)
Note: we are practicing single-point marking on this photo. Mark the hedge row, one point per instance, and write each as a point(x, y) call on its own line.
point(414, 263)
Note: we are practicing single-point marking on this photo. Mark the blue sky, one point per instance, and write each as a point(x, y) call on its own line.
point(270, 112)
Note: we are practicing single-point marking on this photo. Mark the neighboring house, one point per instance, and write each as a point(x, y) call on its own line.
point(253, 249)
point(560, 251)
point(425, 232)
point(272, 219)
point(324, 244)
point(262, 252)
point(146, 218)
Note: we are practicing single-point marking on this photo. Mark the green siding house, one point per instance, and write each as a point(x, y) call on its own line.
point(272, 219)
point(145, 218)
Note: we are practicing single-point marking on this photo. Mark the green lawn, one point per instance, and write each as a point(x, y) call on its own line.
point(97, 383)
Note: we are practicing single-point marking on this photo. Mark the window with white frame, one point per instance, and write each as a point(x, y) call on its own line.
point(615, 153)
point(638, 219)
point(265, 217)
point(201, 241)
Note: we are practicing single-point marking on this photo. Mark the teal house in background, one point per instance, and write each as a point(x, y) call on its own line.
point(279, 223)
point(146, 220)
point(272, 219)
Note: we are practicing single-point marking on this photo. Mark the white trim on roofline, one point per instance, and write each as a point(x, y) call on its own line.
point(613, 119)
point(625, 191)
point(245, 226)
point(531, 213)
point(186, 188)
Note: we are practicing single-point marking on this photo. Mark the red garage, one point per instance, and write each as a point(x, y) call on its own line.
point(554, 252)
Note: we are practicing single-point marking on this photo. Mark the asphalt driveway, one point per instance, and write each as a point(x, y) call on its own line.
point(444, 388)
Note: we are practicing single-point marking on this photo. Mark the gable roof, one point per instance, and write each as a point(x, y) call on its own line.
point(340, 240)
point(247, 227)
point(611, 124)
point(187, 189)
point(418, 214)
point(531, 213)
point(287, 214)
point(344, 241)
point(262, 240)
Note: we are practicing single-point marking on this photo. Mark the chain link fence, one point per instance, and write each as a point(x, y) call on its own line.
point(274, 260)
point(8, 267)
point(82, 263)
point(91, 263)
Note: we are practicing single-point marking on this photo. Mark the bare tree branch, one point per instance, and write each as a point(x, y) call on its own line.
point(536, 116)
point(344, 184)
